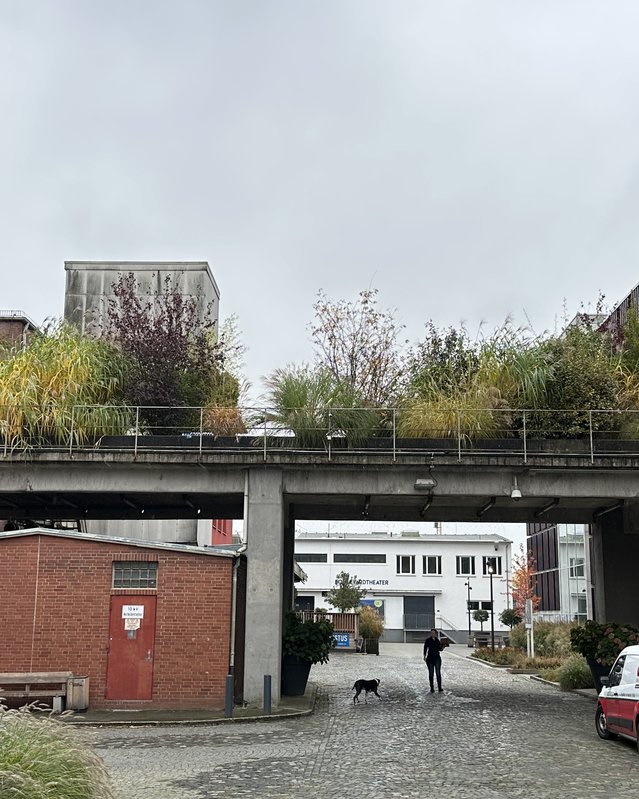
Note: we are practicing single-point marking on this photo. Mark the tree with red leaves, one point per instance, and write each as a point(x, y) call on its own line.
point(523, 582)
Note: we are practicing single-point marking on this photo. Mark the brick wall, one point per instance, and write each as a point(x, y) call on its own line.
point(55, 598)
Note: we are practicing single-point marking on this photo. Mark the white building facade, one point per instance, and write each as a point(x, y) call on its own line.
point(416, 581)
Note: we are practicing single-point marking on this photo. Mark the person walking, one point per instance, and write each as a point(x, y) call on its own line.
point(433, 659)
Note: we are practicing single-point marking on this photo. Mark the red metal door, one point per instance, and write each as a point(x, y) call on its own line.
point(131, 647)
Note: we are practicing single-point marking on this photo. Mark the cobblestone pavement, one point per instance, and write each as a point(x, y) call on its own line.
point(490, 734)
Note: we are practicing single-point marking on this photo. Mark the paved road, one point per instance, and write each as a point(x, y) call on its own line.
point(489, 735)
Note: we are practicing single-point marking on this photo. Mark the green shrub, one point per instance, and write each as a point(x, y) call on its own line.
point(552, 675)
point(500, 657)
point(552, 639)
point(43, 758)
point(517, 637)
point(574, 673)
point(539, 663)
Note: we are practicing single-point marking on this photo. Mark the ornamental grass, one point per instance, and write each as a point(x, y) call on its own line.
point(43, 758)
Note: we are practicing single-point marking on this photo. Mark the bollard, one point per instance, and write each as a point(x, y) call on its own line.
point(267, 694)
point(228, 696)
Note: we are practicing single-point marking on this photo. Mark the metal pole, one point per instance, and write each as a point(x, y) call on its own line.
point(72, 431)
point(267, 694)
point(228, 696)
point(492, 614)
point(201, 428)
point(525, 442)
point(592, 452)
point(330, 434)
point(459, 435)
point(394, 435)
point(469, 589)
point(137, 430)
point(265, 434)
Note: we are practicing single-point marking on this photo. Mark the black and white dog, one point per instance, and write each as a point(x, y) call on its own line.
point(365, 685)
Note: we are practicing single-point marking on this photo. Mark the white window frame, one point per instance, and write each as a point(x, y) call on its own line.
point(458, 565)
point(400, 563)
point(438, 565)
point(575, 566)
point(486, 563)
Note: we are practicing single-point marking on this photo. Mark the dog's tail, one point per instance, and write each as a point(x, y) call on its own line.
point(354, 686)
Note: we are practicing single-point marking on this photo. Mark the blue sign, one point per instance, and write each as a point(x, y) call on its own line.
point(342, 639)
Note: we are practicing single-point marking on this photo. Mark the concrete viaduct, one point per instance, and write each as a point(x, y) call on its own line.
point(271, 490)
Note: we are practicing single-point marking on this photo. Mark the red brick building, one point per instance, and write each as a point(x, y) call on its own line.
point(149, 623)
point(15, 328)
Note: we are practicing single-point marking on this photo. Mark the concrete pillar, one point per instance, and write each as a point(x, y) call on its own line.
point(265, 563)
point(616, 554)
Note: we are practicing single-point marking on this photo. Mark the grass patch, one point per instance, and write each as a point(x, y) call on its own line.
point(42, 758)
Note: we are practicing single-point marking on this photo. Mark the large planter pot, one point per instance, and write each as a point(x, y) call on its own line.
point(370, 646)
point(294, 675)
point(598, 671)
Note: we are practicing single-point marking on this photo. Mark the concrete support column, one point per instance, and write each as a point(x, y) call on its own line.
point(265, 561)
point(616, 554)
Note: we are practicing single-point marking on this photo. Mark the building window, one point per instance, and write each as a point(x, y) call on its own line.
point(465, 565)
point(482, 605)
point(432, 564)
point(405, 564)
point(355, 557)
point(576, 567)
point(135, 574)
point(492, 562)
point(311, 557)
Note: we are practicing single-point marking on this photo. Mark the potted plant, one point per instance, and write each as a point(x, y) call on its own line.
point(303, 644)
point(371, 627)
point(600, 643)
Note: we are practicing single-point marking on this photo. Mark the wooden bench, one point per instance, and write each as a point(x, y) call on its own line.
point(35, 685)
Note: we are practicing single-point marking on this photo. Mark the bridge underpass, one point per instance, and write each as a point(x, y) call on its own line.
point(292, 485)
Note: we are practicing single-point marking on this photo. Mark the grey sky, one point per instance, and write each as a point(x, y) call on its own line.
point(469, 159)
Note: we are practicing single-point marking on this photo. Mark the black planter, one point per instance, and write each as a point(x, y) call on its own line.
point(294, 675)
point(370, 646)
point(598, 671)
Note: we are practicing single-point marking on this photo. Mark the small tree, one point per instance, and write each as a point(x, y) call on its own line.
point(347, 592)
point(523, 582)
point(481, 616)
point(359, 345)
point(510, 617)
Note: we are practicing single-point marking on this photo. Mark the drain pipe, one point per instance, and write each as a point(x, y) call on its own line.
point(229, 698)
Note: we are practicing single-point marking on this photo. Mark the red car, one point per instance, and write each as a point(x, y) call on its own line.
point(618, 703)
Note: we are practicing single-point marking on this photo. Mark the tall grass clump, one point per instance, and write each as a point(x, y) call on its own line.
point(61, 386)
point(43, 758)
point(574, 673)
point(312, 404)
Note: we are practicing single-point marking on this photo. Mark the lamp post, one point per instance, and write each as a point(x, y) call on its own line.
point(492, 610)
point(469, 589)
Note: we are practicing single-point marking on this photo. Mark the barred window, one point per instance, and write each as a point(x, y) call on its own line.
point(135, 574)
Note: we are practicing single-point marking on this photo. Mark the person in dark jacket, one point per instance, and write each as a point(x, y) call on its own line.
point(433, 659)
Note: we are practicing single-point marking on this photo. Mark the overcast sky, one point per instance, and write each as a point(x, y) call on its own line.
point(468, 159)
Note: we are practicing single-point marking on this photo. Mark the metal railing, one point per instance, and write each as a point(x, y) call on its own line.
point(331, 431)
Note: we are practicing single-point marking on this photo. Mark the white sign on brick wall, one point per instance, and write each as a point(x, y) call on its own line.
point(132, 611)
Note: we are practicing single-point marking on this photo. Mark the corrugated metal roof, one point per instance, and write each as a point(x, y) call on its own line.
point(187, 549)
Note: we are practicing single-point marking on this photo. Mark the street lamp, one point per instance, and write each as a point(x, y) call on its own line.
point(492, 610)
point(468, 586)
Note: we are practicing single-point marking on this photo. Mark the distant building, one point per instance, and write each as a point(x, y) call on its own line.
point(15, 328)
point(561, 555)
point(415, 581)
point(615, 321)
point(89, 287)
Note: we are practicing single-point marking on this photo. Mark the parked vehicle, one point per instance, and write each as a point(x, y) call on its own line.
point(618, 704)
